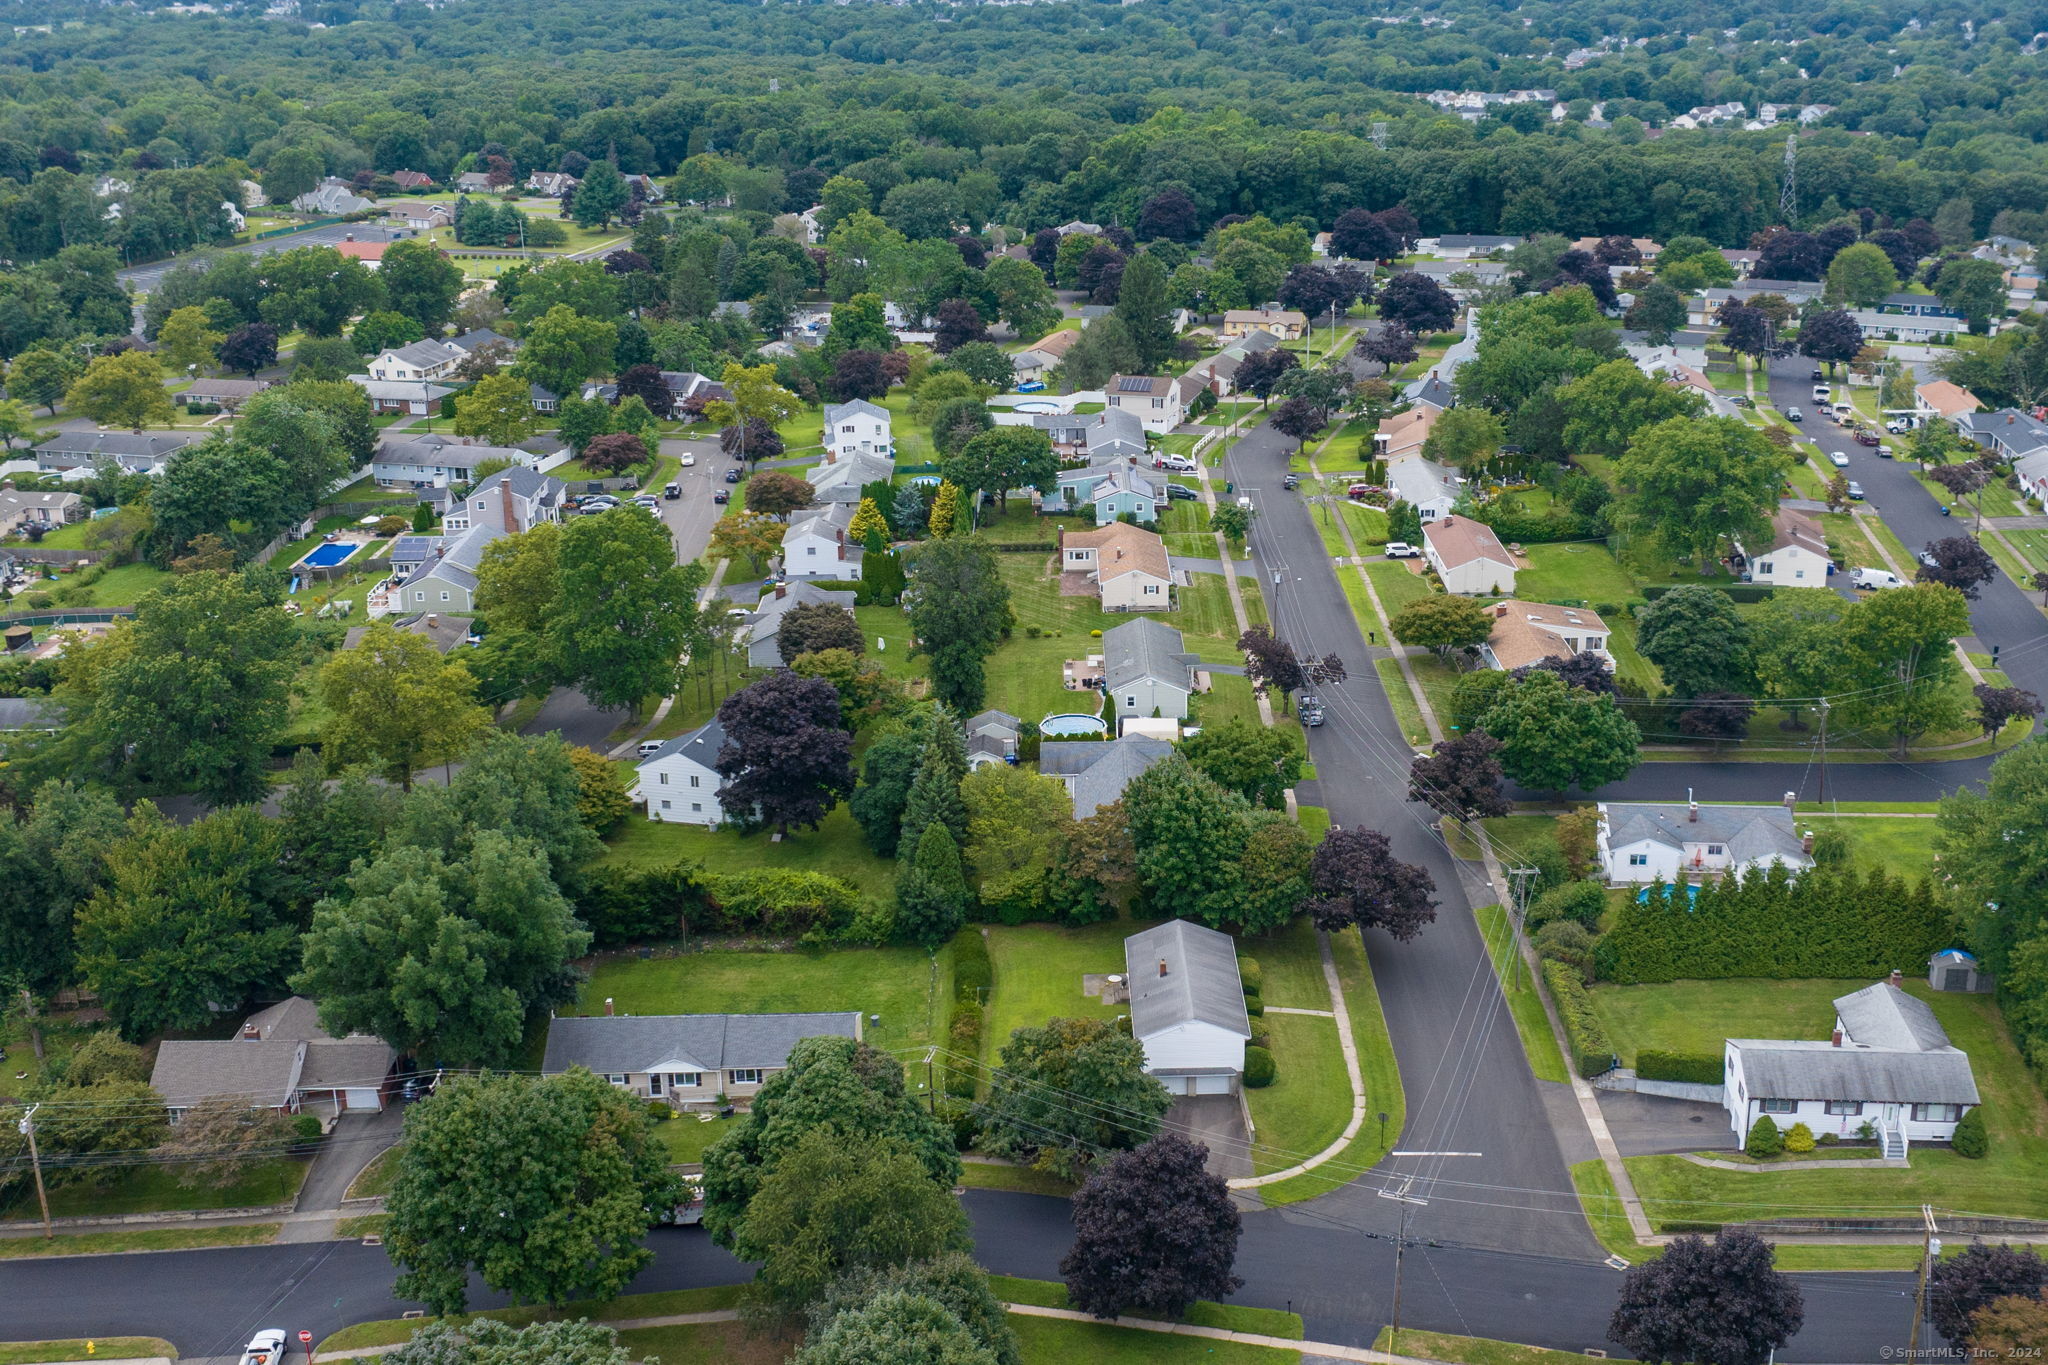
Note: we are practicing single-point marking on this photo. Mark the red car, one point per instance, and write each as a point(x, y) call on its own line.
point(1866, 438)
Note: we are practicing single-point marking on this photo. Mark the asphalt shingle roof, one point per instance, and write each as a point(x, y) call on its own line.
point(1749, 832)
point(1099, 769)
point(634, 1044)
point(1144, 648)
point(1821, 1071)
point(1201, 982)
point(1883, 1016)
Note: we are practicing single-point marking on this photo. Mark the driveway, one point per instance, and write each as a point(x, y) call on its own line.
point(1643, 1125)
point(1217, 1122)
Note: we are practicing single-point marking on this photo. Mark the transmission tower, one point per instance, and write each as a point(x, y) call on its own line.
point(1788, 196)
point(1379, 136)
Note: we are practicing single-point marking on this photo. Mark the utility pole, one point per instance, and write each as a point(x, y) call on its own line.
point(1518, 910)
point(1930, 1247)
point(35, 1160)
point(1788, 193)
point(1823, 750)
point(1405, 1199)
point(931, 1096)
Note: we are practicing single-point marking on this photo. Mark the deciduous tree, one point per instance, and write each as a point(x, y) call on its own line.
point(1998, 706)
point(1070, 1090)
point(1830, 335)
point(635, 607)
point(1700, 1300)
point(1154, 1231)
point(497, 408)
point(1000, 459)
point(1355, 878)
point(1444, 623)
point(1961, 563)
point(215, 1140)
point(397, 703)
point(125, 390)
point(188, 341)
point(1690, 484)
point(812, 626)
point(1553, 735)
point(960, 611)
point(785, 761)
point(1698, 641)
point(1418, 303)
point(1460, 777)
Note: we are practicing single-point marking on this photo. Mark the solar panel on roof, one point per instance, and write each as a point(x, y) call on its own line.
point(1130, 385)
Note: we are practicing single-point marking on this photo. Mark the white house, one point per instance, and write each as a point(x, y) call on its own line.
point(1146, 669)
point(1469, 557)
point(1187, 1007)
point(417, 397)
point(1888, 1063)
point(764, 649)
point(687, 1059)
point(1527, 633)
point(992, 738)
point(1159, 402)
point(1096, 771)
point(1128, 565)
point(840, 480)
point(1797, 556)
point(857, 428)
point(816, 544)
point(1423, 484)
point(1642, 842)
point(417, 360)
point(437, 461)
point(678, 782)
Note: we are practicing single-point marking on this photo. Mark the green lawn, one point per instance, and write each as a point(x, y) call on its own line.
point(1062, 1341)
point(835, 846)
point(393, 1331)
point(1472, 1350)
point(137, 1239)
point(902, 985)
point(1290, 966)
point(1525, 1006)
point(687, 1135)
point(110, 1348)
point(376, 1179)
point(368, 490)
point(1267, 1322)
point(1574, 572)
point(1395, 584)
point(1309, 1102)
point(1698, 1015)
point(1402, 698)
point(709, 1343)
point(123, 586)
point(155, 1189)
point(70, 536)
point(1903, 846)
point(1038, 970)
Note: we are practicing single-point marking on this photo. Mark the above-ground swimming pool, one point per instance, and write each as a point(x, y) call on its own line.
point(1070, 725)
point(328, 555)
point(1039, 405)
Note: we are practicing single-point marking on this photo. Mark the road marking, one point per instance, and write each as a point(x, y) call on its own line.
point(1436, 1154)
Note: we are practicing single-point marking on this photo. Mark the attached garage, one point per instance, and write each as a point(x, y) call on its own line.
point(1187, 1007)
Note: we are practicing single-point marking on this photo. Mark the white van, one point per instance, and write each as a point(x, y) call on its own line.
point(1872, 580)
point(650, 746)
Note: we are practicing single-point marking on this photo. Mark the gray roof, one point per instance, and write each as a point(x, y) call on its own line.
point(458, 559)
point(294, 1019)
point(1145, 648)
point(29, 713)
point(481, 337)
point(1883, 1016)
point(526, 481)
point(859, 407)
point(444, 454)
point(346, 1063)
point(635, 1044)
point(421, 353)
point(224, 388)
point(1099, 769)
point(1774, 1069)
point(1436, 393)
point(1477, 240)
point(153, 445)
point(1751, 833)
point(994, 720)
point(700, 745)
point(1201, 981)
point(400, 390)
point(265, 1074)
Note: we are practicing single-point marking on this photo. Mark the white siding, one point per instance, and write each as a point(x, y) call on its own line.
point(1136, 592)
point(1478, 577)
point(1792, 567)
point(1192, 1046)
point(665, 784)
point(1138, 699)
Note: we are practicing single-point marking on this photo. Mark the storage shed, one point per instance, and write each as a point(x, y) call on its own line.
point(1952, 969)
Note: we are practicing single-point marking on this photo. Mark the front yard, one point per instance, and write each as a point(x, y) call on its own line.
point(155, 1189)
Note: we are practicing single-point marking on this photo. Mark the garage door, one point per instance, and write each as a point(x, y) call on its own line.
point(1211, 1085)
point(362, 1099)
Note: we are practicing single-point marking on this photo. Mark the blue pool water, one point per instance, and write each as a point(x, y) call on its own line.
point(1071, 726)
point(327, 556)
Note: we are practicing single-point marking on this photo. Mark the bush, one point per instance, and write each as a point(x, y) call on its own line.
point(781, 901)
point(1737, 592)
point(1254, 978)
point(659, 1111)
point(1765, 1141)
point(1260, 1038)
point(1259, 1068)
point(964, 1122)
point(1567, 942)
point(1254, 1006)
point(1580, 902)
point(972, 971)
point(1694, 1068)
point(306, 1127)
point(963, 1034)
point(1799, 1139)
point(1972, 1139)
point(1828, 1139)
point(1592, 1052)
point(1831, 848)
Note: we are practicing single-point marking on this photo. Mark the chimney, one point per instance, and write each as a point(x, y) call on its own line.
point(2009, 419)
point(1896, 981)
point(1806, 842)
point(1162, 967)
point(1692, 812)
point(1500, 611)
point(505, 504)
point(250, 1030)
point(1791, 800)
point(607, 1007)
point(781, 591)
point(1838, 1037)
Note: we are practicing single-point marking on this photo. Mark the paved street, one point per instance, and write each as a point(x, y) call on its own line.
point(142, 278)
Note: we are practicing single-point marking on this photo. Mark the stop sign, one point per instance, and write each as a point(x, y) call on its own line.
point(306, 1337)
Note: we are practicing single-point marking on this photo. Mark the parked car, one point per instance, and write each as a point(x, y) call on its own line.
point(1866, 438)
point(672, 492)
point(1929, 560)
point(649, 746)
point(689, 460)
point(1401, 549)
point(1363, 490)
point(1180, 492)
point(1310, 709)
point(1794, 415)
point(720, 495)
point(1838, 459)
point(1819, 374)
point(732, 476)
point(1855, 491)
point(1290, 481)
point(1885, 452)
point(1821, 393)
point(265, 1348)
point(1872, 580)
point(1179, 464)
point(1742, 402)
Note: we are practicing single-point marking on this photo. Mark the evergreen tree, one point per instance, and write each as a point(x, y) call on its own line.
point(931, 895)
point(935, 792)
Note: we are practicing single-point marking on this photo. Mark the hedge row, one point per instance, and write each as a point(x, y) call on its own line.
point(1694, 1068)
point(972, 971)
point(1592, 1052)
point(963, 1032)
point(1830, 922)
point(780, 901)
point(1532, 529)
point(1737, 592)
point(1024, 546)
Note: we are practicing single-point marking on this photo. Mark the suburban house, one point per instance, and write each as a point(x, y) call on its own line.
point(553, 184)
point(1797, 556)
point(1423, 484)
point(416, 397)
point(25, 715)
point(1111, 489)
point(1645, 247)
point(438, 573)
point(765, 624)
point(857, 428)
point(1743, 260)
point(1919, 306)
point(1159, 402)
point(1945, 400)
point(687, 1059)
point(332, 198)
point(1529, 632)
point(992, 738)
point(1096, 771)
point(1465, 246)
point(1284, 323)
point(683, 386)
point(1038, 360)
point(418, 215)
point(1700, 308)
point(1146, 669)
point(229, 394)
point(1218, 373)
point(371, 254)
point(436, 461)
point(1433, 390)
point(1463, 280)
point(1094, 437)
point(411, 181)
point(1128, 565)
point(1640, 842)
point(1187, 1007)
point(418, 360)
point(1469, 557)
point(840, 480)
point(1905, 326)
point(1887, 1063)
point(680, 780)
point(471, 342)
point(2008, 433)
point(20, 510)
point(473, 182)
point(816, 544)
point(1404, 433)
point(86, 450)
point(280, 1059)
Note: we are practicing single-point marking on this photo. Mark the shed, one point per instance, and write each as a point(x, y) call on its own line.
point(1187, 1007)
point(1952, 969)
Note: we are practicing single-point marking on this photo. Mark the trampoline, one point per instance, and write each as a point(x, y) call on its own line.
point(328, 555)
point(1071, 725)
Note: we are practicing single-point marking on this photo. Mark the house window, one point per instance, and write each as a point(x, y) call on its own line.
point(694, 805)
point(747, 1075)
point(615, 1078)
point(664, 803)
point(694, 781)
point(444, 596)
point(1714, 850)
point(664, 779)
point(1937, 1113)
point(1638, 860)
point(654, 1084)
point(419, 596)
point(479, 506)
point(1844, 1109)
point(810, 549)
point(1151, 589)
point(1778, 1106)
point(685, 1080)
point(1764, 567)
point(1798, 573)
point(1130, 703)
